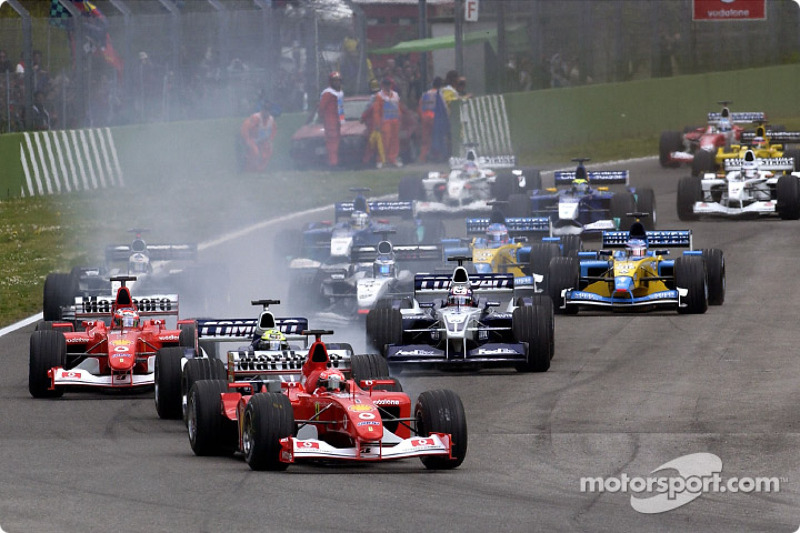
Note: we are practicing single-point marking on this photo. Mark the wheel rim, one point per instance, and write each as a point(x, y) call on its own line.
point(191, 422)
point(247, 435)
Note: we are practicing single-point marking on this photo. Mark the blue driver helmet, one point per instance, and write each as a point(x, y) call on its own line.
point(383, 268)
point(497, 234)
point(637, 248)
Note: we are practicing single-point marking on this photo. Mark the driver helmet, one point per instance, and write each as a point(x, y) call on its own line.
point(497, 234)
point(383, 268)
point(125, 318)
point(138, 263)
point(332, 380)
point(460, 296)
point(759, 142)
point(273, 340)
point(637, 248)
point(359, 219)
point(724, 123)
point(749, 166)
point(580, 185)
point(471, 169)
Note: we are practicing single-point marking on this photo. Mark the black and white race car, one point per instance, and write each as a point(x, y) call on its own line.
point(468, 320)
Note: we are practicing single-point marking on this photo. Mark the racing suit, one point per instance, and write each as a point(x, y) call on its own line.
point(331, 109)
point(258, 132)
point(386, 117)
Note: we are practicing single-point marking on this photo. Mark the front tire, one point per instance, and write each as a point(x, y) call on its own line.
point(48, 349)
point(703, 162)
point(534, 324)
point(788, 192)
point(168, 382)
point(384, 326)
point(670, 141)
point(690, 274)
point(563, 273)
point(715, 269)
point(268, 418)
point(193, 371)
point(441, 411)
point(689, 191)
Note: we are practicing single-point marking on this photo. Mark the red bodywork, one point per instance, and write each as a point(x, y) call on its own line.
point(111, 357)
point(348, 421)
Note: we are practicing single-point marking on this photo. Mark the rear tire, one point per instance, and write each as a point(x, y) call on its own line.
point(193, 371)
point(60, 290)
point(384, 326)
point(167, 396)
point(268, 418)
point(563, 273)
point(410, 189)
point(541, 254)
point(690, 274)
point(368, 366)
point(533, 178)
point(715, 270)
point(48, 349)
point(623, 203)
point(441, 411)
point(505, 185)
point(703, 162)
point(570, 246)
point(670, 141)
point(646, 203)
point(534, 324)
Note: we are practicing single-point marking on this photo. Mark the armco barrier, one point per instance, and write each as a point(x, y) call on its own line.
point(538, 120)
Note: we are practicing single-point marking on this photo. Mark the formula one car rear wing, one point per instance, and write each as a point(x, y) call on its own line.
point(484, 284)
point(148, 305)
point(492, 161)
point(769, 163)
point(233, 329)
point(156, 252)
point(594, 177)
point(775, 137)
point(740, 117)
point(662, 238)
point(377, 208)
point(479, 225)
point(402, 252)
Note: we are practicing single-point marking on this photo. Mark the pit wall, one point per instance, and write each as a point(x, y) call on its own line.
point(538, 120)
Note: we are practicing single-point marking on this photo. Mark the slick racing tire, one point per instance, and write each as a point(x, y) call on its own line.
point(168, 399)
point(210, 432)
point(366, 366)
point(384, 326)
point(623, 203)
point(788, 193)
point(690, 274)
point(570, 246)
point(646, 203)
point(60, 290)
point(441, 411)
point(48, 349)
point(268, 418)
point(505, 185)
point(519, 205)
point(410, 189)
point(703, 162)
point(534, 324)
point(689, 192)
point(715, 270)
point(794, 154)
point(193, 371)
point(563, 273)
point(541, 255)
point(533, 178)
point(670, 141)
point(188, 336)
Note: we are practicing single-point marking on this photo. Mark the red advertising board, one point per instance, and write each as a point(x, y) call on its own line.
point(729, 10)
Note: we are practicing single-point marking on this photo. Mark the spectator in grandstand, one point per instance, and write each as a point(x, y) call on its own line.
point(41, 116)
point(258, 132)
point(331, 109)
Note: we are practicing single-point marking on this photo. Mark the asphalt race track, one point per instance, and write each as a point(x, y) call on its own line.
point(625, 394)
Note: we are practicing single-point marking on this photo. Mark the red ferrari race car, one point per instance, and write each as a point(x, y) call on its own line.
point(697, 146)
point(117, 354)
point(324, 416)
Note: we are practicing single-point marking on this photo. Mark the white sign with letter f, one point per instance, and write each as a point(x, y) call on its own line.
point(471, 11)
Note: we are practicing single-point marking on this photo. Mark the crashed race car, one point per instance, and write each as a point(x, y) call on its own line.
point(582, 204)
point(117, 350)
point(470, 185)
point(327, 415)
point(748, 186)
point(158, 268)
point(465, 321)
point(512, 246)
point(629, 275)
point(375, 274)
point(698, 146)
point(267, 336)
